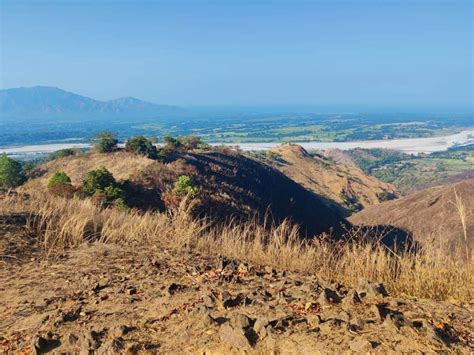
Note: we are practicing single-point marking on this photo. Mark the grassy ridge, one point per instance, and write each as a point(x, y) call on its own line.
point(434, 273)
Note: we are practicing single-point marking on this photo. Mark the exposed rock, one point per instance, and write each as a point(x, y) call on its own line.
point(240, 320)
point(313, 320)
point(262, 314)
point(235, 337)
point(369, 290)
point(360, 345)
point(260, 324)
point(351, 299)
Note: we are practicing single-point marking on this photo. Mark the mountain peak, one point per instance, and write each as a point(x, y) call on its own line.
point(48, 101)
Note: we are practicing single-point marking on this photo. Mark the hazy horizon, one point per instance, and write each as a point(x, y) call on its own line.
point(353, 55)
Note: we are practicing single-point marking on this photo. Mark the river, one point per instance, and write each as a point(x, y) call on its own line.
point(408, 145)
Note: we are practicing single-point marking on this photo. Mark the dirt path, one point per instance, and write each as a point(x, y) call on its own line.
point(108, 299)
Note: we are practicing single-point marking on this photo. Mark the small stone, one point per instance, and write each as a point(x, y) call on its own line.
point(270, 270)
point(360, 345)
point(260, 323)
point(356, 324)
point(91, 340)
point(343, 316)
point(327, 327)
point(155, 263)
point(242, 268)
point(313, 320)
point(72, 339)
point(235, 337)
point(240, 320)
point(351, 299)
point(120, 331)
point(113, 346)
point(394, 321)
point(370, 290)
point(225, 296)
point(376, 310)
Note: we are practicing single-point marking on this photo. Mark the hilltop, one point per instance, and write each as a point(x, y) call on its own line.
point(231, 185)
point(340, 181)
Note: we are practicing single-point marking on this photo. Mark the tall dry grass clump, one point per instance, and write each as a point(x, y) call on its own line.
point(461, 210)
point(432, 272)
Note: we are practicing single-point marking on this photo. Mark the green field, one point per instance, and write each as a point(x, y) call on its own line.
point(409, 172)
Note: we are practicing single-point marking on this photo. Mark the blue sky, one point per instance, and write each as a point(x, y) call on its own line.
point(362, 53)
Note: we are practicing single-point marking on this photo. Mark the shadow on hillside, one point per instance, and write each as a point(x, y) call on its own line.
point(237, 186)
point(395, 239)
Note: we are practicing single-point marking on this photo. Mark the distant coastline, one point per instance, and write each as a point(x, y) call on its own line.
point(407, 145)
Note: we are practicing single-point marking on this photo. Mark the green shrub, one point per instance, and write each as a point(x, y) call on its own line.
point(98, 180)
point(193, 142)
point(114, 192)
point(11, 173)
point(63, 153)
point(58, 178)
point(60, 184)
point(105, 142)
point(184, 187)
point(120, 204)
point(105, 190)
point(171, 143)
point(140, 145)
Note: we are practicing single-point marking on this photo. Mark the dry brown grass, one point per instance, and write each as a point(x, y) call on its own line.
point(433, 273)
point(121, 164)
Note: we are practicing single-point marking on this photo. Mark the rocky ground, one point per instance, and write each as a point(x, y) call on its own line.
point(108, 299)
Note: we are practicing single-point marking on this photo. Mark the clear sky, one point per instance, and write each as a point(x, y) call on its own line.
point(373, 53)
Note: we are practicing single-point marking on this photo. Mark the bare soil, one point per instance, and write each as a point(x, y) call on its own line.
point(123, 299)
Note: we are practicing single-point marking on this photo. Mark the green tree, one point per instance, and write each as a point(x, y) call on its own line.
point(11, 173)
point(184, 186)
point(105, 142)
point(141, 145)
point(171, 142)
point(97, 181)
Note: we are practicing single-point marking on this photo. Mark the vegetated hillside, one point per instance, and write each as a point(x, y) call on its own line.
point(431, 215)
point(341, 182)
point(231, 186)
point(410, 173)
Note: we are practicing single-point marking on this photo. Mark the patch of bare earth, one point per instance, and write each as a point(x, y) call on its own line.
point(111, 299)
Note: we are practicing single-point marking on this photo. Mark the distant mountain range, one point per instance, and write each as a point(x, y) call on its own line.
point(51, 102)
